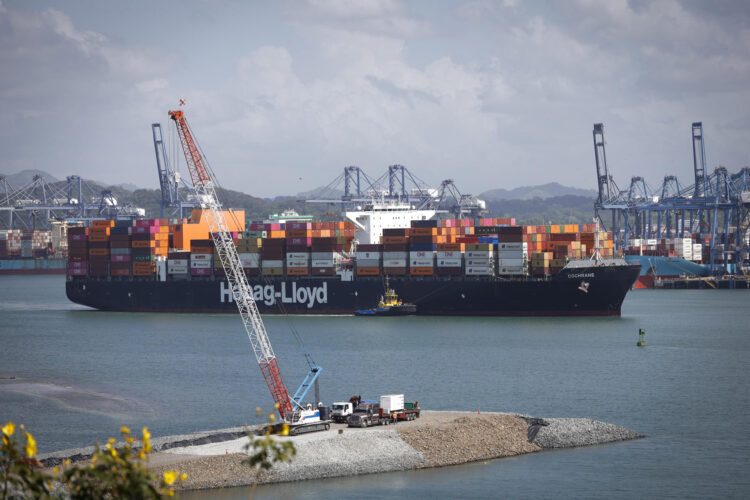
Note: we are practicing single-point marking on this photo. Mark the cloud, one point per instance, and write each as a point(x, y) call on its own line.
point(152, 85)
point(487, 93)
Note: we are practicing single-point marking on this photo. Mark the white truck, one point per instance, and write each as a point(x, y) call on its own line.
point(341, 410)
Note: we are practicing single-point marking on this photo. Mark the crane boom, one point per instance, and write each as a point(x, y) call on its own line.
point(225, 248)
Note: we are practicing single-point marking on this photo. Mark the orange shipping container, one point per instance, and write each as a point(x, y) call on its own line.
point(297, 271)
point(196, 228)
point(143, 244)
point(368, 271)
point(421, 271)
point(450, 247)
point(395, 239)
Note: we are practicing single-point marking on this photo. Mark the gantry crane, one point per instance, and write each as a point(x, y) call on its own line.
point(291, 409)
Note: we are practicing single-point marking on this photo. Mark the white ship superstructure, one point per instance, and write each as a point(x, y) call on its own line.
point(374, 217)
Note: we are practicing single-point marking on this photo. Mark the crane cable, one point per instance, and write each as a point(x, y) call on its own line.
point(233, 216)
point(295, 332)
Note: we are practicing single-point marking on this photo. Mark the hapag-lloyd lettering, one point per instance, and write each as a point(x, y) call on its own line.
point(288, 294)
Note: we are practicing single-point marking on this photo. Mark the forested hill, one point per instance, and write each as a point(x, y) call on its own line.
point(567, 209)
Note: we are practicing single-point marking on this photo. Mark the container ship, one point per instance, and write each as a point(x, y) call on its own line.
point(30, 251)
point(669, 258)
point(471, 267)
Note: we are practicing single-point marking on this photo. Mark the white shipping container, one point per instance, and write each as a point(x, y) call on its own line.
point(297, 263)
point(200, 256)
point(480, 253)
point(449, 254)
point(270, 264)
point(449, 262)
point(392, 402)
point(420, 254)
point(368, 255)
point(322, 255)
point(652, 242)
point(394, 263)
point(510, 263)
point(510, 245)
point(421, 262)
point(322, 263)
point(172, 269)
point(510, 254)
point(178, 262)
point(368, 263)
point(479, 271)
point(395, 255)
point(479, 262)
point(298, 256)
point(697, 248)
point(200, 264)
point(249, 259)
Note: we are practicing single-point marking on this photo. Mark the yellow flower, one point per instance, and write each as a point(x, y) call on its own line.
point(113, 452)
point(124, 430)
point(146, 440)
point(30, 446)
point(66, 461)
point(54, 470)
point(271, 417)
point(277, 406)
point(93, 460)
point(171, 492)
point(170, 477)
point(142, 454)
point(285, 430)
point(9, 429)
point(183, 477)
point(111, 441)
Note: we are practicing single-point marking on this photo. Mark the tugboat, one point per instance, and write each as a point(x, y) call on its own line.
point(389, 305)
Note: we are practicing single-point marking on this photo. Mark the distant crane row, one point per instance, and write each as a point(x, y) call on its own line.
point(398, 184)
point(716, 204)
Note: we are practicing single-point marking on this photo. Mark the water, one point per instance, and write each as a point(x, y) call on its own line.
point(86, 373)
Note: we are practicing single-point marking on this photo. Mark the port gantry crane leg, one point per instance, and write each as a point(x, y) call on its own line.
point(241, 291)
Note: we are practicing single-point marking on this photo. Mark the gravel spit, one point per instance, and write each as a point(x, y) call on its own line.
point(214, 459)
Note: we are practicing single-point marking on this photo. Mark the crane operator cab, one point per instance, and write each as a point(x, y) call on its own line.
point(305, 415)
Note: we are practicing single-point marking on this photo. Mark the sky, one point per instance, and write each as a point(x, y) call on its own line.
point(282, 95)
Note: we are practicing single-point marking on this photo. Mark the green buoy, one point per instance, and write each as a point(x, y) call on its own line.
point(641, 337)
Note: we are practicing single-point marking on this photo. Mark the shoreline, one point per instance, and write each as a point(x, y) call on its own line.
point(212, 459)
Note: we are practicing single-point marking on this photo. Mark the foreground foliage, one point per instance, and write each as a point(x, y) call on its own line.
point(112, 472)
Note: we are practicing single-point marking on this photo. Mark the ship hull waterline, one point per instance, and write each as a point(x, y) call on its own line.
point(587, 291)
